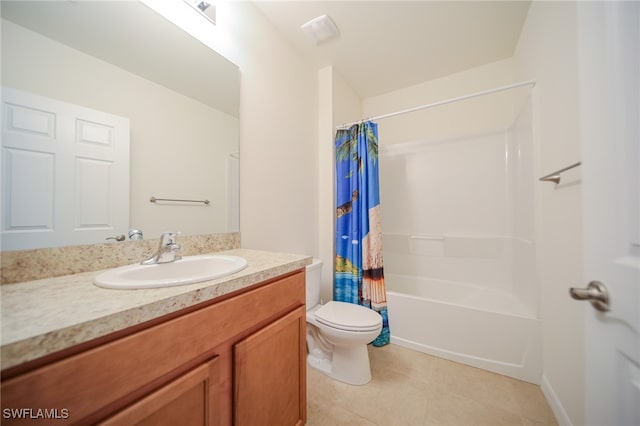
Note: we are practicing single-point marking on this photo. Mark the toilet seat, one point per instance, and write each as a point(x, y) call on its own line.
point(348, 317)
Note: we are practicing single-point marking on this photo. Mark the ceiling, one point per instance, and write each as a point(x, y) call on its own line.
point(388, 45)
point(88, 26)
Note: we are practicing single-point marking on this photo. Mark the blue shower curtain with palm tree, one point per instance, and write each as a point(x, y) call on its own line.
point(359, 276)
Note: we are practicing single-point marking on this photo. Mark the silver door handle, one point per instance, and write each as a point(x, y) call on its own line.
point(595, 292)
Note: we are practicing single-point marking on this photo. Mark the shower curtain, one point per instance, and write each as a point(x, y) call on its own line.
point(359, 276)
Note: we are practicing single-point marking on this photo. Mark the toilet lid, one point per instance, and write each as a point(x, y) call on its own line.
point(348, 316)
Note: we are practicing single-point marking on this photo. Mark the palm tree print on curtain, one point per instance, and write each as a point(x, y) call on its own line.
point(359, 276)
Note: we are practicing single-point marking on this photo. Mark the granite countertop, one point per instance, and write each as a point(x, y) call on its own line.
point(45, 316)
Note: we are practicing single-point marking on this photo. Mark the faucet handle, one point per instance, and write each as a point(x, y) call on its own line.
point(135, 234)
point(168, 238)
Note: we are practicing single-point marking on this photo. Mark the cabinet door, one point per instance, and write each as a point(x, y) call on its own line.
point(270, 374)
point(190, 400)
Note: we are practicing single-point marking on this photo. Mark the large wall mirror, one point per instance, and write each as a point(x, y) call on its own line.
point(177, 98)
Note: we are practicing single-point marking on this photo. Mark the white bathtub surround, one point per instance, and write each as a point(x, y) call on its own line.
point(496, 262)
point(459, 243)
point(472, 324)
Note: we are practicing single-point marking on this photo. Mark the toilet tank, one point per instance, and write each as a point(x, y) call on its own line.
point(314, 275)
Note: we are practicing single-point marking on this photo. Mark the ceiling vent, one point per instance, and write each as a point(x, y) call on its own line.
point(321, 29)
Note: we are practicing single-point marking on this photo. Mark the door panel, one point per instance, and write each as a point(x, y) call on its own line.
point(609, 52)
point(65, 173)
point(269, 374)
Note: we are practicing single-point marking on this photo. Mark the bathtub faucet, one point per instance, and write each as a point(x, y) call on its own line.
point(167, 250)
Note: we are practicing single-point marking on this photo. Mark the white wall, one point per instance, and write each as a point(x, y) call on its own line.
point(441, 121)
point(338, 104)
point(547, 52)
point(326, 225)
point(278, 132)
point(278, 124)
point(167, 128)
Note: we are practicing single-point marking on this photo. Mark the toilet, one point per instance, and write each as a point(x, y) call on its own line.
point(338, 334)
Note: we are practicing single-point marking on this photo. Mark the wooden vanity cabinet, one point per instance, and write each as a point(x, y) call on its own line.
point(236, 360)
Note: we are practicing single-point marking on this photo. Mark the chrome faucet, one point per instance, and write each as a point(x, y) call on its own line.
point(167, 250)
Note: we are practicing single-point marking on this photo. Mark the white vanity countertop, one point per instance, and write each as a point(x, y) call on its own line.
point(45, 316)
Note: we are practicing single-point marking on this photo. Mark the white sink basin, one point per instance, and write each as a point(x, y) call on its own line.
point(188, 270)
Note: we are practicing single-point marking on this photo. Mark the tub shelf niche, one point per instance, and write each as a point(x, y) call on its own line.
point(473, 246)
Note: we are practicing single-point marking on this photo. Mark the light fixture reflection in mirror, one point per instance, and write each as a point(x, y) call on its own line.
point(184, 124)
point(205, 8)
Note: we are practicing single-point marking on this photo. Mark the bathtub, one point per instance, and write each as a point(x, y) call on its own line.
point(474, 325)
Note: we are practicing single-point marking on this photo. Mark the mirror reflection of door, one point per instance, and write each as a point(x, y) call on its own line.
point(65, 173)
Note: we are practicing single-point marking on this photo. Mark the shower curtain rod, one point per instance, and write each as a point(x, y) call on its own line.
point(447, 101)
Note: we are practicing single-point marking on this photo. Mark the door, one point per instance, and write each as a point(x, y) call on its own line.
point(65, 173)
point(609, 52)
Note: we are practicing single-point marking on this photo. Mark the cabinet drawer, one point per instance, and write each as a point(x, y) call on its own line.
point(93, 384)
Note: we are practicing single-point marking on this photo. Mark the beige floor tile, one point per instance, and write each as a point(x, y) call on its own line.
point(518, 397)
point(448, 409)
point(322, 412)
point(530, 422)
point(321, 385)
point(389, 399)
point(524, 399)
point(412, 388)
point(401, 360)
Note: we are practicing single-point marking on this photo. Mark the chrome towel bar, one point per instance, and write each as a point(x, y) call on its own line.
point(555, 176)
point(154, 199)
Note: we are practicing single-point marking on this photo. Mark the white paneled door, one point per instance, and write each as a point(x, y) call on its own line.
point(65, 173)
point(609, 52)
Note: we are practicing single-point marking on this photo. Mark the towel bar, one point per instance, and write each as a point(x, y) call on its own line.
point(154, 199)
point(555, 176)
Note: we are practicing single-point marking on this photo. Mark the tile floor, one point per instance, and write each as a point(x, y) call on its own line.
point(412, 388)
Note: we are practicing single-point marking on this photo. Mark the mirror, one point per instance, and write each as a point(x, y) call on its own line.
point(180, 97)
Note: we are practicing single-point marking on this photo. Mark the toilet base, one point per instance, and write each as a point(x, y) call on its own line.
point(319, 363)
point(347, 364)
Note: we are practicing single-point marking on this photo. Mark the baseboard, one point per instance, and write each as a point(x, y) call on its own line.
point(554, 402)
